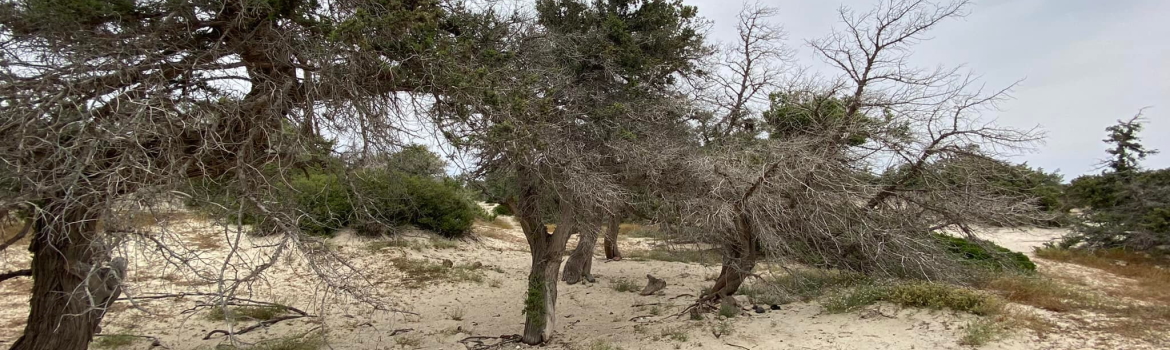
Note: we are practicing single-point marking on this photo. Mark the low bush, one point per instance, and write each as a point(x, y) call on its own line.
point(502, 210)
point(914, 294)
point(986, 254)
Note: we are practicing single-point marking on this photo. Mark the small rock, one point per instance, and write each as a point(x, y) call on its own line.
point(775, 307)
point(476, 265)
point(758, 309)
point(448, 263)
point(741, 300)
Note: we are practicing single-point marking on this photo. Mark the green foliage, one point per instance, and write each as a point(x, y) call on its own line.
point(624, 285)
point(981, 332)
point(439, 206)
point(994, 177)
point(645, 40)
point(793, 114)
point(311, 341)
point(114, 341)
point(323, 200)
point(1127, 150)
point(1124, 206)
point(913, 294)
point(534, 307)
point(405, 191)
point(421, 272)
point(416, 160)
point(251, 312)
point(986, 254)
point(800, 284)
point(728, 310)
point(502, 210)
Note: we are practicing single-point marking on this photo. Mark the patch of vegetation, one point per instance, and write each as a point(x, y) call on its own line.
point(114, 341)
point(420, 272)
point(455, 313)
point(1039, 292)
point(408, 341)
point(914, 294)
point(241, 313)
point(640, 231)
point(603, 345)
point(534, 307)
point(800, 284)
point(728, 310)
point(624, 285)
point(981, 331)
point(502, 210)
point(678, 334)
point(721, 328)
point(986, 254)
point(311, 341)
point(372, 201)
point(444, 243)
point(396, 243)
point(1125, 206)
point(706, 256)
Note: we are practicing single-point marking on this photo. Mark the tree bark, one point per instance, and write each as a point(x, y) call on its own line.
point(71, 288)
point(547, 251)
point(611, 238)
point(739, 258)
point(580, 263)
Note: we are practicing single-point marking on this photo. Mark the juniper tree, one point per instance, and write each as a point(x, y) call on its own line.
point(808, 195)
point(107, 102)
point(562, 101)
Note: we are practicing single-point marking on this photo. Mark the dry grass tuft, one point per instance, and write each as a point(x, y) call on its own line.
point(1152, 275)
point(207, 241)
point(421, 272)
point(241, 313)
point(694, 256)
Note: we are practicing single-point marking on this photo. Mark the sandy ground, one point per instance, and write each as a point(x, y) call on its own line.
point(444, 313)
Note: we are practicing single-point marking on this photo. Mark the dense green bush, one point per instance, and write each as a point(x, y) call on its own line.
point(323, 203)
point(373, 200)
point(502, 210)
point(1125, 206)
point(439, 206)
point(1122, 210)
point(986, 254)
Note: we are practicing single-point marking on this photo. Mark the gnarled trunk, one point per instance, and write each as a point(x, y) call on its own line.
point(71, 287)
point(736, 268)
point(547, 251)
point(580, 262)
point(611, 238)
point(739, 258)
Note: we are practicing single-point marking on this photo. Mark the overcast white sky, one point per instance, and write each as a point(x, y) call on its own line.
point(1084, 64)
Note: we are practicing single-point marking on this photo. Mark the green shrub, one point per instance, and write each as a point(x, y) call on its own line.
point(800, 284)
point(986, 254)
point(913, 294)
point(1122, 210)
point(439, 206)
point(502, 210)
point(323, 203)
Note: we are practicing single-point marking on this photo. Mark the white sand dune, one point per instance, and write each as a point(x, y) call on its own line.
point(450, 312)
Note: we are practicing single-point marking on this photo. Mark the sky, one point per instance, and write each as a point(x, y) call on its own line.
point(1082, 65)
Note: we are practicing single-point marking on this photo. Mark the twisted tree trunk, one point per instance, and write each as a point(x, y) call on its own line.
point(74, 280)
point(547, 249)
point(611, 238)
point(739, 258)
point(580, 261)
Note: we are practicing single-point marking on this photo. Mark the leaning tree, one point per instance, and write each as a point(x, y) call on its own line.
point(796, 182)
point(111, 101)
